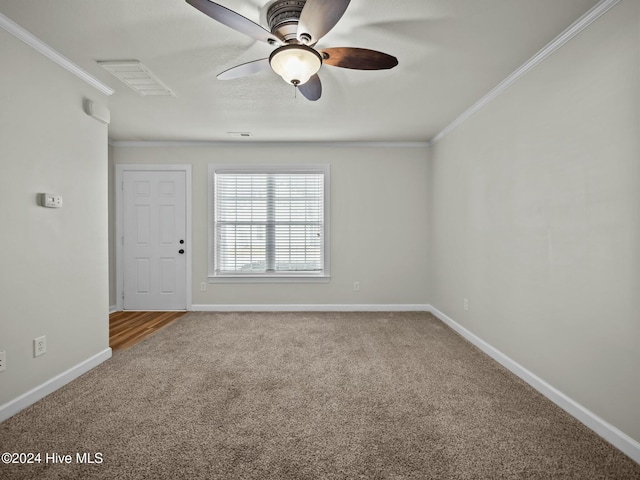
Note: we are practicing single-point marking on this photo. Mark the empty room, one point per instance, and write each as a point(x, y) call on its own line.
point(320, 239)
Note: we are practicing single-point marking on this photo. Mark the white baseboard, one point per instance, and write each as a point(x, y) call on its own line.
point(32, 396)
point(613, 435)
point(312, 308)
point(112, 309)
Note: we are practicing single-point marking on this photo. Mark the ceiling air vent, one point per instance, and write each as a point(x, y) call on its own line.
point(137, 76)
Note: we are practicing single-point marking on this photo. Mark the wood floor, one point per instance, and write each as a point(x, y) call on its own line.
point(128, 328)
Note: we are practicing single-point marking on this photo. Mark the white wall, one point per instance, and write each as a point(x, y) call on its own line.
point(53, 262)
point(534, 218)
point(378, 226)
point(112, 231)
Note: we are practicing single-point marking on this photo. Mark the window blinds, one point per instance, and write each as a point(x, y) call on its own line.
point(269, 222)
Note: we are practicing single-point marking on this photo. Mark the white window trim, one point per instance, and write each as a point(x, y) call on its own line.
point(281, 277)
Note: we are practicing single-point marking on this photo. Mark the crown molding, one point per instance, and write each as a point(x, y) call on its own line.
point(37, 44)
point(578, 26)
point(177, 143)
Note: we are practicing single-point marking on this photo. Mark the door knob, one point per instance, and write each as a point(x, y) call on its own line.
point(181, 251)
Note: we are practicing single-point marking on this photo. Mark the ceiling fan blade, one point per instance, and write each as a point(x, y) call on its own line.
point(245, 69)
point(235, 20)
point(318, 17)
point(358, 58)
point(312, 89)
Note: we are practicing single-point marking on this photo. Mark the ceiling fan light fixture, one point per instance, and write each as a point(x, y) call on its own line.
point(296, 64)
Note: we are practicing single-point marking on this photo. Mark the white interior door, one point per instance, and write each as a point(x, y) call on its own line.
point(154, 240)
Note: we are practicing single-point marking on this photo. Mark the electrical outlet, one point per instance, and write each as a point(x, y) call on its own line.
point(203, 287)
point(466, 304)
point(3, 361)
point(356, 286)
point(39, 346)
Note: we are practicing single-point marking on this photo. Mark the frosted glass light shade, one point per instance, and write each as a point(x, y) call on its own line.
point(296, 64)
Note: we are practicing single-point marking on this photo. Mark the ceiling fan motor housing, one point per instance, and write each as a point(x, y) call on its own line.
point(283, 17)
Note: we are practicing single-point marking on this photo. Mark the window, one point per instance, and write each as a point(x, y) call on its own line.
point(269, 223)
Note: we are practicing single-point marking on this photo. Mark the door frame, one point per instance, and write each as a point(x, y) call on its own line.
point(119, 237)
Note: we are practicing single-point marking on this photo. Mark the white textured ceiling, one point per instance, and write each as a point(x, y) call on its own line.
point(450, 53)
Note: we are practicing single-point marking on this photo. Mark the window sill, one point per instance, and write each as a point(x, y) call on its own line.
point(270, 279)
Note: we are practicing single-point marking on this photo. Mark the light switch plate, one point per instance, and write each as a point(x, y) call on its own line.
point(51, 200)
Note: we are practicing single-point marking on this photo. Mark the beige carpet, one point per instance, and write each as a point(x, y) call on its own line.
point(306, 396)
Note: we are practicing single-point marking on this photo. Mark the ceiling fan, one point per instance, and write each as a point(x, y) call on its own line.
point(295, 26)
